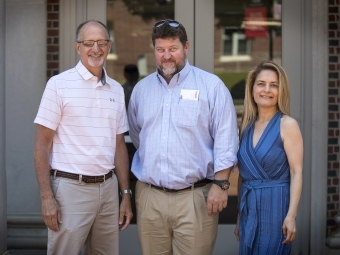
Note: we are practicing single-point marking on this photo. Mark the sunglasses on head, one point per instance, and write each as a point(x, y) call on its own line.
point(171, 23)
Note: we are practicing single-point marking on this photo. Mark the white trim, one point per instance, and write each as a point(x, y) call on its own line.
point(236, 58)
point(319, 112)
point(112, 56)
point(304, 57)
point(204, 34)
point(67, 30)
point(187, 19)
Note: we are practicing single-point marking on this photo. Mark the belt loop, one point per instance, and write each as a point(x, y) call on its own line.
point(80, 178)
point(55, 174)
point(193, 187)
point(104, 178)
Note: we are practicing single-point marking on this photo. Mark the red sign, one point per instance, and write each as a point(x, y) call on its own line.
point(255, 22)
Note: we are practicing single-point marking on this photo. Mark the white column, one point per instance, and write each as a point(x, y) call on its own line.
point(304, 57)
point(204, 34)
point(3, 192)
point(185, 15)
point(72, 13)
point(67, 34)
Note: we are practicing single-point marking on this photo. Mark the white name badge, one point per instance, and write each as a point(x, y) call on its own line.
point(189, 94)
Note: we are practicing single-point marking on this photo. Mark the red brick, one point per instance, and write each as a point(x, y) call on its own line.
point(332, 214)
point(52, 32)
point(330, 150)
point(52, 16)
point(52, 48)
point(52, 65)
point(52, 1)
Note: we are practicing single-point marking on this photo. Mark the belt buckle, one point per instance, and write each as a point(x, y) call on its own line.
point(164, 189)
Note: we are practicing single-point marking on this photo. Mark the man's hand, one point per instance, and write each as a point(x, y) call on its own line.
point(217, 200)
point(51, 213)
point(125, 212)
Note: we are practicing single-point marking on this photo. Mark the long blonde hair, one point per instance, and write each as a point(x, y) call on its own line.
point(250, 107)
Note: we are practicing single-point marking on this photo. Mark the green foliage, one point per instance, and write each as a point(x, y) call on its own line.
point(235, 82)
point(230, 79)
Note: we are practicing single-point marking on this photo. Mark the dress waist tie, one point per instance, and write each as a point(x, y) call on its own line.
point(248, 204)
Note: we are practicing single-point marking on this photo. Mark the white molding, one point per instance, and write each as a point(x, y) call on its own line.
point(204, 34)
point(3, 186)
point(67, 33)
point(26, 231)
point(187, 19)
point(305, 59)
point(319, 112)
point(71, 14)
point(236, 58)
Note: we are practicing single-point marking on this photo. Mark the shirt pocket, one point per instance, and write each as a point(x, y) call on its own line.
point(187, 113)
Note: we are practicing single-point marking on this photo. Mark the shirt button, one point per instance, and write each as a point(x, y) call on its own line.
point(167, 105)
point(163, 154)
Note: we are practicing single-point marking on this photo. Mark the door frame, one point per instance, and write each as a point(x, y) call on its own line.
point(305, 60)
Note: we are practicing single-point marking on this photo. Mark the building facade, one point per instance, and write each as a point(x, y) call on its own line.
point(38, 42)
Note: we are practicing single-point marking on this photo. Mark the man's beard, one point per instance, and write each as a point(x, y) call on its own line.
point(169, 72)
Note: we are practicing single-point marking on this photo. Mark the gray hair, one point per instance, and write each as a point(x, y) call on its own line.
point(96, 21)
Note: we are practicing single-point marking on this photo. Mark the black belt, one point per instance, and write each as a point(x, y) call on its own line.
point(198, 184)
point(80, 177)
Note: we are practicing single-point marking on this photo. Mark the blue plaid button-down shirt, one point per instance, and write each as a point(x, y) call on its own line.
point(181, 141)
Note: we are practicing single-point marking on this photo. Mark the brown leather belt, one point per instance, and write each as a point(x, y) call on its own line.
point(80, 177)
point(198, 184)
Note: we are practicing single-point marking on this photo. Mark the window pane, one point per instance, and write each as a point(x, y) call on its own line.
point(130, 24)
point(242, 47)
point(227, 48)
point(246, 31)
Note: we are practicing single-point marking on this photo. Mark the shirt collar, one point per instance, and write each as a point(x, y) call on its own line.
point(87, 75)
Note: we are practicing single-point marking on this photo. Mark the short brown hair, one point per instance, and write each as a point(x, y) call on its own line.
point(166, 31)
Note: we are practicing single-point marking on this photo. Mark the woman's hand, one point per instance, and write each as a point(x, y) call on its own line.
point(289, 229)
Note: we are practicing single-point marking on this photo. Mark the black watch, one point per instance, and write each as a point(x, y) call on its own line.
point(224, 184)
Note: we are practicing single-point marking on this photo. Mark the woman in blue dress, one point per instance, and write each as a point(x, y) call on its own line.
point(270, 165)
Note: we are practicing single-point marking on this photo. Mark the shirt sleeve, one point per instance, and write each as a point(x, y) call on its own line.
point(132, 117)
point(122, 125)
point(49, 112)
point(224, 129)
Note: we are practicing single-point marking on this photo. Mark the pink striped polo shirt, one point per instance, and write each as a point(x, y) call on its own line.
point(86, 116)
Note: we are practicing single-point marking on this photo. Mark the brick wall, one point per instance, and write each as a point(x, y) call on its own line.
point(52, 38)
point(333, 114)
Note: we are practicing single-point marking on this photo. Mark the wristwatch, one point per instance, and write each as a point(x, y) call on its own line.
point(126, 191)
point(224, 184)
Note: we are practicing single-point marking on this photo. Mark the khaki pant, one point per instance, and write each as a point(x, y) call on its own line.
point(89, 215)
point(174, 223)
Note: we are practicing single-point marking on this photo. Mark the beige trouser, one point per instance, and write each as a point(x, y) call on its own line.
point(89, 214)
point(174, 223)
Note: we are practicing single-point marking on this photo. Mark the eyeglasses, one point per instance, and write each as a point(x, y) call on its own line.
point(171, 23)
point(90, 43)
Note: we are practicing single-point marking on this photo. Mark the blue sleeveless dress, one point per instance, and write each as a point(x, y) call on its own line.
point(264, 193)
